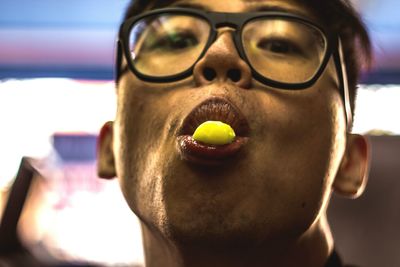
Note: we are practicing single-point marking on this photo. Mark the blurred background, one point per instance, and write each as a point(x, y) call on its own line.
point(56, 90)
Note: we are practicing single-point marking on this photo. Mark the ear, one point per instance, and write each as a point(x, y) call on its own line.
point(352, 176)
point(105, 155)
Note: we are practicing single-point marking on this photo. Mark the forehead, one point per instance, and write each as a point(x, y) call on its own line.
point(292, 6)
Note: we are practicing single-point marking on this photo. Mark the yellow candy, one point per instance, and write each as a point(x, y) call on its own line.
point(214, 133)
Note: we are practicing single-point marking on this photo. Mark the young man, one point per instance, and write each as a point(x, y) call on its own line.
point(276, 72)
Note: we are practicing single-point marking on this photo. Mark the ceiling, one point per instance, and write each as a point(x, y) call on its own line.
point(75, 38)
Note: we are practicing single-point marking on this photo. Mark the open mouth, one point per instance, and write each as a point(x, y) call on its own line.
point(213, 109)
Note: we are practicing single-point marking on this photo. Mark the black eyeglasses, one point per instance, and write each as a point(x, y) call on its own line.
point(283, 50)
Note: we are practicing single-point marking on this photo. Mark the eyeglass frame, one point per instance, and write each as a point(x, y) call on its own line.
point(237, 21)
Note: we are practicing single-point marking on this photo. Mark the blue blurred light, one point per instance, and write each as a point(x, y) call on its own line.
point(71, 13)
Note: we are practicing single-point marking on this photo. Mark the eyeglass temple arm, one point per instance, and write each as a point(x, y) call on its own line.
point(343, 82)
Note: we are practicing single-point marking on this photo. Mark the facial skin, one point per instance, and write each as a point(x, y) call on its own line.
point(271, 197)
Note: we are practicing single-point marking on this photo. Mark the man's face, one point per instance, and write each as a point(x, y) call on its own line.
point(276, 185)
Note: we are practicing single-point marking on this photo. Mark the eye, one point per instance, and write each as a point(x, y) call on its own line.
point(183, 40)
point(277, 46)
point(174, 41)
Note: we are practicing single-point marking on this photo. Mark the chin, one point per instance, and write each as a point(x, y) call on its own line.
point(215, 229)
point(214, 234)
point(214, 208)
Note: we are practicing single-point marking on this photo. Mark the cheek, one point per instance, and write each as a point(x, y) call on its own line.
point(134, 136)
point(144, 145)
point(317, 141)
point(315, 123)
point(303, 131)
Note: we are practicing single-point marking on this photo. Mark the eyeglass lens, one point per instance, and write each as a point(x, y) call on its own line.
point(278, 48)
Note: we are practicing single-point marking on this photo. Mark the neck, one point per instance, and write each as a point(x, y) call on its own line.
point(311, 249)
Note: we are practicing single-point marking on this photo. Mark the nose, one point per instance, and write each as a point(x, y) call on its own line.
point(222, 63)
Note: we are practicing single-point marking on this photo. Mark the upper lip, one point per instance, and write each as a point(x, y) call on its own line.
point(216, 109)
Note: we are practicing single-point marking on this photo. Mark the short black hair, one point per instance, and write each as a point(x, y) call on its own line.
point(338, 16)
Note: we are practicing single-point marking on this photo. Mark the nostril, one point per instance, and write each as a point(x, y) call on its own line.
point(209, 74)
point(234, 74)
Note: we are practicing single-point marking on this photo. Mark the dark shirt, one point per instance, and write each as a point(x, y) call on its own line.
point(335, 261)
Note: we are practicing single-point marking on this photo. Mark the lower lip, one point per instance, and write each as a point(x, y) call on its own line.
point(204, 154)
